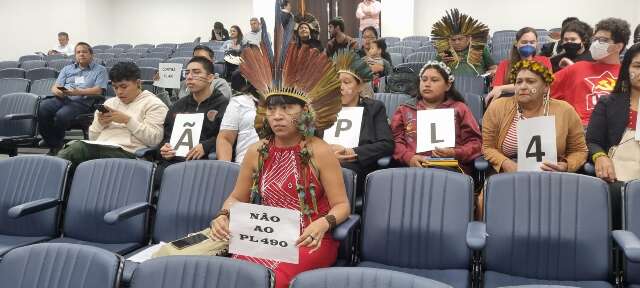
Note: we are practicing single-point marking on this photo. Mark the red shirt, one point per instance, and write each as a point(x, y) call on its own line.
point(583, 83)
point(502, 75)
point(633, 117)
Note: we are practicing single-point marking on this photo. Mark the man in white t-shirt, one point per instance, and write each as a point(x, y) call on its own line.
point(238, 121)
point(63, 46)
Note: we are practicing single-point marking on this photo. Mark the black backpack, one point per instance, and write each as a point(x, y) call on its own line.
point(402, 80)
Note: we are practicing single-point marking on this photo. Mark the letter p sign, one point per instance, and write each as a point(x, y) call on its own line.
point(342, 125)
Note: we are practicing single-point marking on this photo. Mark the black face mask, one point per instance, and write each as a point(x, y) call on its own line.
point(571, 49)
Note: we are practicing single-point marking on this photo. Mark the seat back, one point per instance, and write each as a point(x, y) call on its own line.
point(396, 58)
point(187, 46)
point(55, 57)
point(410, 43)
point(149, 62)
point(55, 265)
point(26, 179)
point(147, 73)
point(100, 186)
point(58, 64)
point(9, 64)
point(190, 195)
point(414, 66)
point(105, 56)
point(172, 46)
point(102, 47)
point(159, 55)
point(421, 57)
point(391, 41)
point(361, 277)
point(419, 38)
point(632, 223)
point(417, 218)
point(116, 51)
point(404, 50)
point(29, 57)
point(32, 64)
point(548, 226)
point(18, 103)
point(113, 61)
point(476, 105)
point(183, 53)
point(130, 55)
point(13, 85)
point(469, 84)
point(181, 60)
point(146, 46)
point(391, 101)
point(12, 73)
point(41, 73)
point(123, 46)
point(42, 87)
point(207, 271)
point(137, 50)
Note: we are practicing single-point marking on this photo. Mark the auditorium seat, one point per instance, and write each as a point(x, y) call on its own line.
point(102, 47)
point(160, 54)
point(469, 84)
point(396, 58)
point(475, 103)
point(200, 272)
point(58, 64)
point(420, 57)
point(108, 205)
point(173, 46)
point(41, 73)
point(391, 101)
point(427, 47)
point(55, 57)
point(149, 62)
point(415, 221)
point(419, 38)
point(161, 49)
point(545, 228)
point(30, 199)
point(409, 43)
point(181, 60)
point(361, 277)
point(59, 266)
point(9, 64)
point(13, 85)
point(130, 55)
point(391, 41)
point(32, 64)
point(183, 53)
point(113, 61)
point(12, 73)
point(405, 51)
point(29, 57)
point(105, 56)
point(123, 46)
point(115, 50)
point(42, 87)
point(18, 113)
point(627, 239)
point(414, 66)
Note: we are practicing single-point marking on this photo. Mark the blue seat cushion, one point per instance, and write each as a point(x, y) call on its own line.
point(118, 248)
point(495, 279)
point(8, 242)
point(454, 277)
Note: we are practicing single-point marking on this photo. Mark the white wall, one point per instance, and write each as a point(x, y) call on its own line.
point(32, 25)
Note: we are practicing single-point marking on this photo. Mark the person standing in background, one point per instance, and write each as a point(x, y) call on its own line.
point(368, 12)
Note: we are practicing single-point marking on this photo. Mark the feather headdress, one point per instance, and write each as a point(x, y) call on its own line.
point(456, 23)
point(349, 62)
point(295, 71)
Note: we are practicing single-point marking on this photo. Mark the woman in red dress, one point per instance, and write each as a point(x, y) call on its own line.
point(289, 167)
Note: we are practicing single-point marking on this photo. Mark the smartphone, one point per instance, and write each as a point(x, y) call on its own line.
point(102, 108)
point(189, 241)
point(448, 53)
point(62, 88)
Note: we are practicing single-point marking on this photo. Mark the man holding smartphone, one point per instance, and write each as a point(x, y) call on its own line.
point(78, 87)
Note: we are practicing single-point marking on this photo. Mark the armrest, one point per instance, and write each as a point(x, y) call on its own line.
point(629, 243)
point(384, 162)
point(115, 216)
point(481, 164)
point(476, 235)
point(23, 116)
point(32, 207)
point(213, 156)
point(344, 229)
point(589, 169)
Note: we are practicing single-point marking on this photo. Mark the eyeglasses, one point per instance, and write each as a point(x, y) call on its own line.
point(288, 109)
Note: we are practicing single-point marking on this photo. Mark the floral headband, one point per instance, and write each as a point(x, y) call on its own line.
point(441, 65)
point(533, 66)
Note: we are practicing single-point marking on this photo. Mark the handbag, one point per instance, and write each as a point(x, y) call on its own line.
point(200, 243)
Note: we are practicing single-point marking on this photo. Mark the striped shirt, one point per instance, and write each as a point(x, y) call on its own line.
point(73, 76)
point(510, 144)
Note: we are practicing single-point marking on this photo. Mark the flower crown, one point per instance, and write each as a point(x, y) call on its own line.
point(533, 66)
point(441, 65)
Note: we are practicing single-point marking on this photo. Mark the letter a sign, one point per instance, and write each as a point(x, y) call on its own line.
point(186, 132)
point(346, 131)
point(436, 128)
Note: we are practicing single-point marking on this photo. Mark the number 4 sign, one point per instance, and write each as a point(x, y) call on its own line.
point(536, 142)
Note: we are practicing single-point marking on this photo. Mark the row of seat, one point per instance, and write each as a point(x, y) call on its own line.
point(65, 265)
point(31, 74)
point(539, 228)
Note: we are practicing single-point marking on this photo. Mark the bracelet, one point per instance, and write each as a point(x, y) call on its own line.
point(331, 220)
point(222, 212)
point(597, 155)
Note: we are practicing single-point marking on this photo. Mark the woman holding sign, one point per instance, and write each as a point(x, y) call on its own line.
point(436, 92)
point(499, 131)
point(290, 168)
point(375, 140)
point(612, 135)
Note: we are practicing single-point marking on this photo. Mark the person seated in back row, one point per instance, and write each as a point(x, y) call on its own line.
point(199, 75)
point(499, 130)
point(130, 121)
point(219, 86)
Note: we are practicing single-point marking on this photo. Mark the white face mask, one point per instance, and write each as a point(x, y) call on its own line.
point(599, 50)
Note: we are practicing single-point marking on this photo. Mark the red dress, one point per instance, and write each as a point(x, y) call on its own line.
point(278, 189)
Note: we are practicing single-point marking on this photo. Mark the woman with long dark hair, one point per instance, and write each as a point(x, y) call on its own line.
point(218, 33)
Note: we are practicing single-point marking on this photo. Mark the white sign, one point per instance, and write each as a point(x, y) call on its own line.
point(536, 142)
point(169, 75)
point(186, 132)
point(436, 129)
point(346, 131)
point(264, 232)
